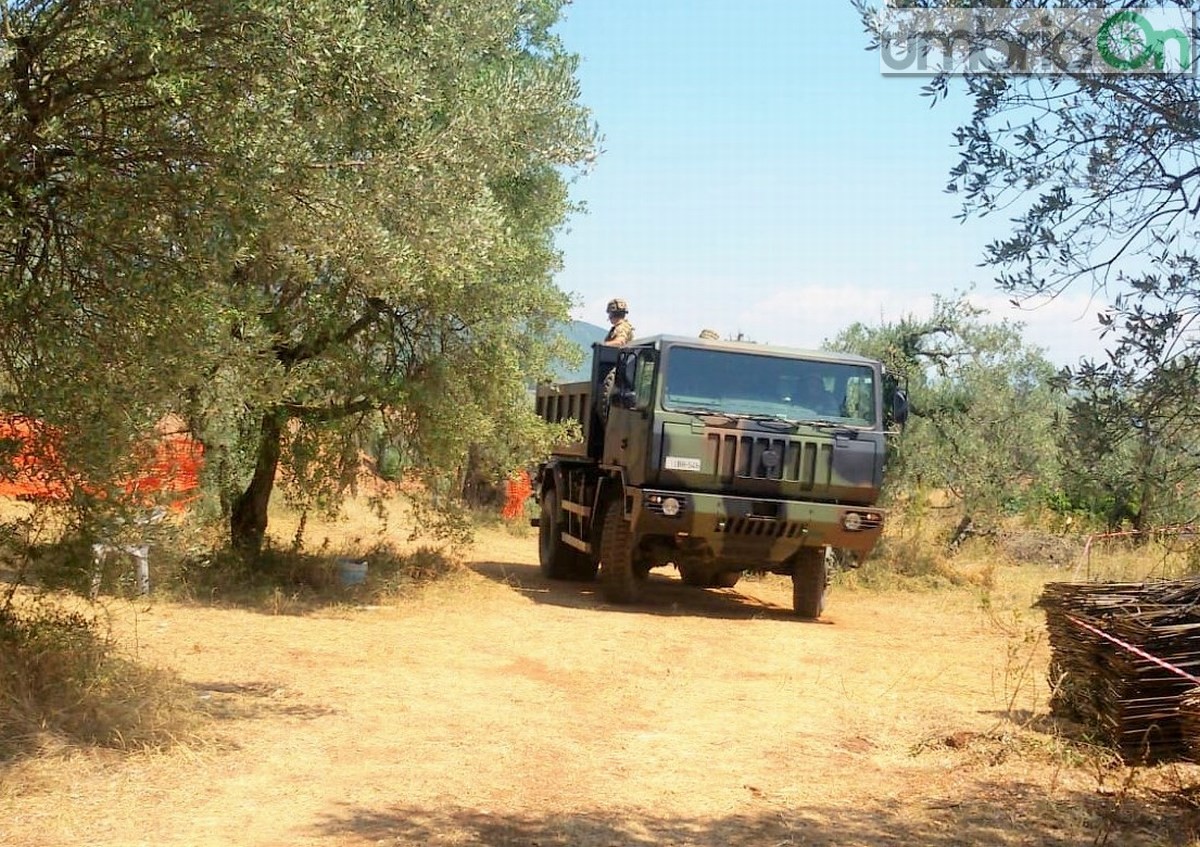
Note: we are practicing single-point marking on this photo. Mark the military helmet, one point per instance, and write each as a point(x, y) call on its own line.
point(710, 335)
point(617, 305)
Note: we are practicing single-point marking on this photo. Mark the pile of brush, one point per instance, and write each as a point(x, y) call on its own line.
point(1122, 657)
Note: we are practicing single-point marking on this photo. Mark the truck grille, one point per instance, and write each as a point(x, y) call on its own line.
point(761, 527)
point(808, 463)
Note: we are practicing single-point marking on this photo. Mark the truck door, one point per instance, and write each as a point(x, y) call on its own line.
point(627, 440)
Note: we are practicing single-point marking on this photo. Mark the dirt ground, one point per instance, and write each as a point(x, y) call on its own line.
point(501, 709)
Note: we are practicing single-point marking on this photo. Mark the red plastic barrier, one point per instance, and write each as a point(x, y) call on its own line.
point(35, 471)
point(517, 491)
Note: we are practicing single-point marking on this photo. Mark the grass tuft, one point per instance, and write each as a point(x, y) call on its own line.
point(294, 582)
point(62, 681)
point(913, 563)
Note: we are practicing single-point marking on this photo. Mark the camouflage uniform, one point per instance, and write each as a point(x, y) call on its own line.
point(620, 334)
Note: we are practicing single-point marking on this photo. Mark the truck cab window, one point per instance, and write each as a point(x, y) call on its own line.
point(644, 380)
point(753, 384)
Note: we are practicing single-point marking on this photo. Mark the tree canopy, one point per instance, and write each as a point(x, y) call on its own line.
point(985, 414)
point(1099, 176)
point(291, 224)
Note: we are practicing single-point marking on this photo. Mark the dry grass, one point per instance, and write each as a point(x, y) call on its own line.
point(66, 685)
point(63, 682)
point(493, 707)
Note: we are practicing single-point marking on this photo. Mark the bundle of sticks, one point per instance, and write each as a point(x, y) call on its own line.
point(1126, 662)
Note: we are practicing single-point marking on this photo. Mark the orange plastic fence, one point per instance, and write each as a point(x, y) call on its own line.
point(35, 471)
point(517, 491)
point(174, 470)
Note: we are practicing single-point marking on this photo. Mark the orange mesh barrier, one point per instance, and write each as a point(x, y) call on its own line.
point(517, 491)
point(34, 470)
point(174, 470)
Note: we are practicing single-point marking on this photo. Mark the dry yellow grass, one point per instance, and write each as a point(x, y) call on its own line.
point(499, 709)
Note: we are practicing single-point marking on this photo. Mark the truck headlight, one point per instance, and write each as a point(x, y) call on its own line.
point(670, 507)
point(855, 521)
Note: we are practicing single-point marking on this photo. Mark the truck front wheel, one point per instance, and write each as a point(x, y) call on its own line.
point(808, 583)
point(559, 560)
point(618, 577)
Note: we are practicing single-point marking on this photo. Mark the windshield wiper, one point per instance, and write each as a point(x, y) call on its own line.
point(708, 413)
point(825, 423)
point(787, 422)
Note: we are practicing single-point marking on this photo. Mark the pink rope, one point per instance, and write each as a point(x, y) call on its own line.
point(1135, 650)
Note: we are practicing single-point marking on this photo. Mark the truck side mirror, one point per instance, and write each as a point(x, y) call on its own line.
point(626, 372)
point(896, 399)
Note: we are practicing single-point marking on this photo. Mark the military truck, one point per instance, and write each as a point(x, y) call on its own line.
point(717, 458)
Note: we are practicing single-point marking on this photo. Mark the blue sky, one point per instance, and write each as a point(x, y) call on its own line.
point(759, 175)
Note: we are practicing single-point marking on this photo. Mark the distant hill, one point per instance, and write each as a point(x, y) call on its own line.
point(583, 335)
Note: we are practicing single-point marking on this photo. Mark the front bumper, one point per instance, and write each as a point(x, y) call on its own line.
point(751, 529)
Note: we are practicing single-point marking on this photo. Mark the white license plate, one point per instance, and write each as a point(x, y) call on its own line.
point(678, 463)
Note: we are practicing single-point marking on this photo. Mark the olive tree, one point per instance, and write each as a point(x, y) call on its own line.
point(1097, 171)
point(984, 410)
point(288, 223)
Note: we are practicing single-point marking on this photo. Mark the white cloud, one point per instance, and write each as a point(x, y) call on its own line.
point(1066, 327)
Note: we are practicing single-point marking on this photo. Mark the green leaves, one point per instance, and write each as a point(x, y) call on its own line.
point(336, 214)
point(984, 422)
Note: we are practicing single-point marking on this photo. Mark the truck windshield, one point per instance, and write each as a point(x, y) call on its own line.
point(752, 384)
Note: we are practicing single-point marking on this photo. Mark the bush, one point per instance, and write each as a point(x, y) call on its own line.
point(305, 580)
point(60, 675)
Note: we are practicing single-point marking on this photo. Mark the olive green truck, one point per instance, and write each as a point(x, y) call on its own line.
point(717, 458)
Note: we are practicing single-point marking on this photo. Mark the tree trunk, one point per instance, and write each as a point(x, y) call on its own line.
point(248, 520)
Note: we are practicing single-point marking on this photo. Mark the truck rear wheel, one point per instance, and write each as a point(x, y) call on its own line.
point(808, 583)
point(559, 560)
point(618, 576)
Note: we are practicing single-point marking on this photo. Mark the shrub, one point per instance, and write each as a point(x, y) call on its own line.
point(60, 675)
point(294, 581)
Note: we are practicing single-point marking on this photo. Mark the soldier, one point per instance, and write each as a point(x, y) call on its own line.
point(621, 332)
point(710, 335)
point(814, 395)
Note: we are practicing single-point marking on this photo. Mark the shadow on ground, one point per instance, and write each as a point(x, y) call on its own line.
point(248, 701)
point(662, 594)
point(994, 815)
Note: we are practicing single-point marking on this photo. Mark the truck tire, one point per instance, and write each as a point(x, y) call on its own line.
point(557, 559)
point(808, 583)
point(618, 577)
